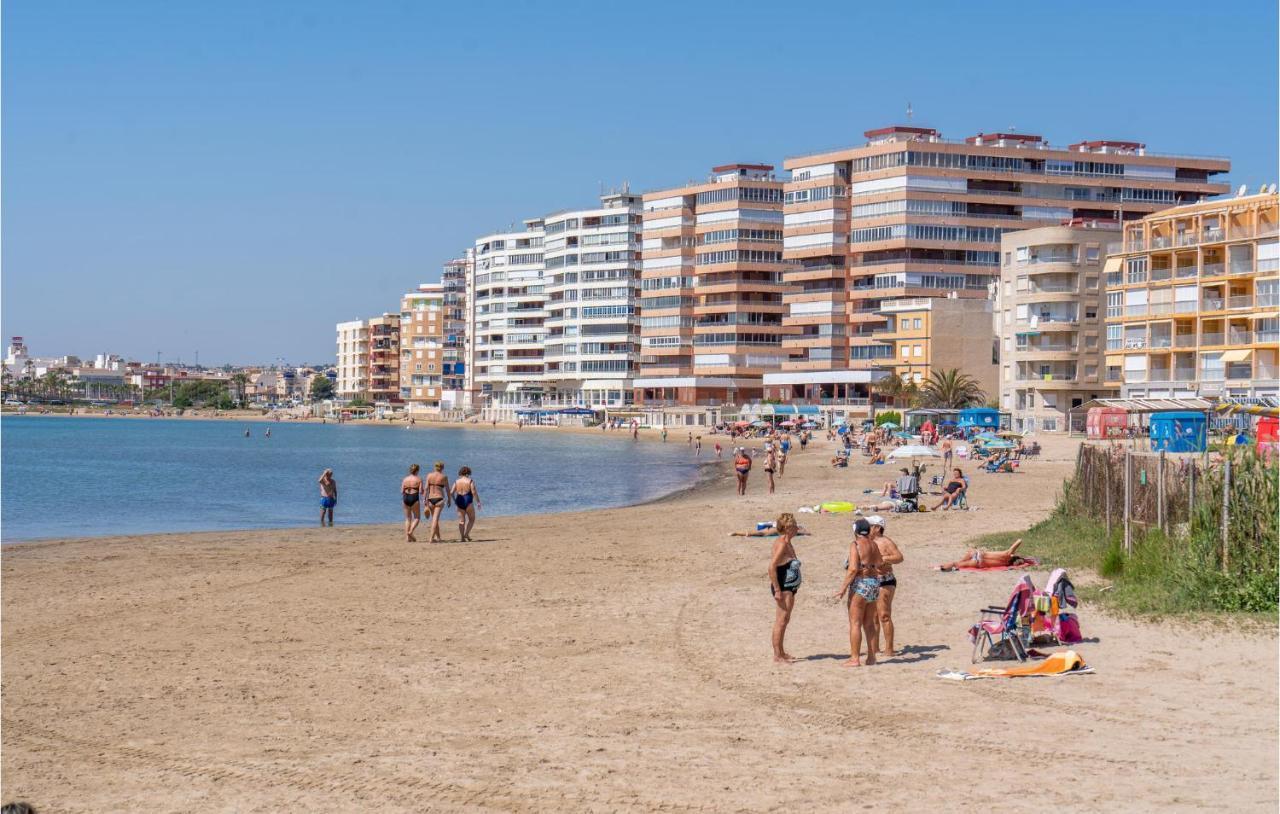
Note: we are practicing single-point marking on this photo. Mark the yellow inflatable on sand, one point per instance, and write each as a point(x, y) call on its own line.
point(837, 507)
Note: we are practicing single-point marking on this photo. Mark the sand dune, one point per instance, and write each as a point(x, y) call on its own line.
point(605, 661)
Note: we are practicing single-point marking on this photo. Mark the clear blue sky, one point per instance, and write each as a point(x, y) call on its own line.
point(235, 177)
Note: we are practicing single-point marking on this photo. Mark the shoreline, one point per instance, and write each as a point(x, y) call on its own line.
point(707, 474)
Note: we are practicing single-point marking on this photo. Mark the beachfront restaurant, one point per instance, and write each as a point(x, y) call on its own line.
point(984, 417)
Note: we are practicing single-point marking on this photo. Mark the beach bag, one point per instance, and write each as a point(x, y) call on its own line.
point(1068, 631)
point(909, 504)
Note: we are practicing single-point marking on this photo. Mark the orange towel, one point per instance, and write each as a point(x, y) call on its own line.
point(1058, 664)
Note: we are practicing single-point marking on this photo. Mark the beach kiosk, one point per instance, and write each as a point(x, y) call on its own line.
point(1106, 422)
point(1178, 432)
point(985, 418)
point(1268, 433)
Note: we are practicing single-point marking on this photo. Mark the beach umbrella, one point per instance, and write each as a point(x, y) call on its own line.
point(903, 435)
point(915, 451)
point(787, 423)
point(999, 443)
point(758, 423)
point(1009, 434)
point(808, 425)
point(889, 424)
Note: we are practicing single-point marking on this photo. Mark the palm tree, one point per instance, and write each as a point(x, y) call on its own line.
point(898, 391)
point(241, 382)
point(951, 389)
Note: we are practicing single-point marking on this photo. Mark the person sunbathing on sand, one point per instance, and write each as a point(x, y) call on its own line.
point(977, 558)
point(770, 529)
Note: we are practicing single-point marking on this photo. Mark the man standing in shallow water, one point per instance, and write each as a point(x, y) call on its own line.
point(328, 495)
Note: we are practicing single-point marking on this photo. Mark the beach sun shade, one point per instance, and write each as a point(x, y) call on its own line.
point(903, 435)
point(889, 424)
point(915, 451)
point(999, 443)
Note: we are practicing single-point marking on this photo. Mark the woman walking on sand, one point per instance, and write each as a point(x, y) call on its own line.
point(328, 495)
point(784, 581)
point(410, 496)
point(437, 498)
point(770, 462)
point(466, 497)
point(742, 466)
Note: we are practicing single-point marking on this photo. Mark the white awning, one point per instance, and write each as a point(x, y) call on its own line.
point(1237, 355)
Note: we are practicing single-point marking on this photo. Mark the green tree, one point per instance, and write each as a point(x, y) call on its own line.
point(897, 391)
point(321, 387)
point(241, 382)
point(950, 389)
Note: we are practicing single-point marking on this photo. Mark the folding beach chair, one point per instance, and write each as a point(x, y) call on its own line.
point(1005, 633)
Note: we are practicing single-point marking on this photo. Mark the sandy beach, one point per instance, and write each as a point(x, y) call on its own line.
point(598, 661)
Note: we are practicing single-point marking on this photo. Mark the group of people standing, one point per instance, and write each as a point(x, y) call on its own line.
point(867, 590)
point(777, 448)
point(435, 491)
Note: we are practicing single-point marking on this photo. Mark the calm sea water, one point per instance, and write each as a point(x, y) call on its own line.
point(65, 477)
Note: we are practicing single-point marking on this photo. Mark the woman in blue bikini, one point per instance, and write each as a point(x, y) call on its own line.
point(467, 498)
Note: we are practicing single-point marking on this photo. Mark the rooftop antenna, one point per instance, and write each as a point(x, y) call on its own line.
point(1241, 191)
point(1272, 189)
point(909, 111)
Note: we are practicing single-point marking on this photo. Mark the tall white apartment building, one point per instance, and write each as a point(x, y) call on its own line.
point(508, 317)
point(353, 358)
point(592, 262)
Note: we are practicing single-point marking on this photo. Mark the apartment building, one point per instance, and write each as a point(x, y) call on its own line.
point(1191, 301)
point(939, 333)
point(911, 214)
point(592, 286)
point(422, 329)
point(353, 359)
point(712, 288)
point(509, 316)
point(384, 359)
point(454, 382)
point(1049, 319)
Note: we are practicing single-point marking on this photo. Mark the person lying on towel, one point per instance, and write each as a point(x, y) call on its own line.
point(977, 558)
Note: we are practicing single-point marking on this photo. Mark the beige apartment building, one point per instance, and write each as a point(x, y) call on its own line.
point(1192, 300)
point(939, 333)
point(712, 289)
point(422, 327)
point(1049, 319)
point(910, 214)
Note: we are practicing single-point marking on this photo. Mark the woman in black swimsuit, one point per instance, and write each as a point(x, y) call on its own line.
point(466, 497)
point(410, 493)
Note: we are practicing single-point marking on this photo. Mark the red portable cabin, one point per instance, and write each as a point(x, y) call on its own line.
point(1106, 422)
point(1268, 429)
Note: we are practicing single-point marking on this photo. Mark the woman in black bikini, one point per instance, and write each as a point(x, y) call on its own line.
point(410, 492)
point(466, 497)
point(437, 498)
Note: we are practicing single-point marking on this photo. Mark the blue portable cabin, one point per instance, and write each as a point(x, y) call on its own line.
point(1178, 431)
point(984, 417)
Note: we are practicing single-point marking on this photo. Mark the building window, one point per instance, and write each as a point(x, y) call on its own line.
point(919, 350)
point(915, 323)
point(1091, 253)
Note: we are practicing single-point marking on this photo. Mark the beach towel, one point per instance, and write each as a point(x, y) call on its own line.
point(1027, 562)
point(1065, 663)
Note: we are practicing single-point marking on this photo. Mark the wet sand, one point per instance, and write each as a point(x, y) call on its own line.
point(600, 661)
